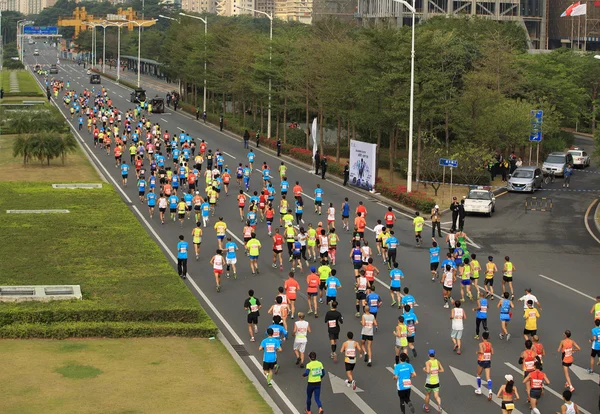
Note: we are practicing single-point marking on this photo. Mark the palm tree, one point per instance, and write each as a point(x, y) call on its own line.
point(44, 147)
point(21, 122)
point(21, 148)
point(66, 144)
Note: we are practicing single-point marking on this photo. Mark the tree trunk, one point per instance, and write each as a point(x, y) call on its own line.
point(348, 134)
point(447, 131)
point(594, 95)
point(277, 126)
point(262, 118)
point(254, 111)
point(353, 131)
point(391, 154)
point(377, 153)
point(418, 169)
point(339, 138)
point(224, 105)
point(285, 119)
point(307, 120)
point(244, 115)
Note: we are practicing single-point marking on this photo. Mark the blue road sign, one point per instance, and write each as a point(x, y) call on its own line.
point(448, 163)
point(537, 119)
point(40, 30)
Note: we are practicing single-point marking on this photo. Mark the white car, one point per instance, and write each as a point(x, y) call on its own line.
point(581, 158)
point(481, 201)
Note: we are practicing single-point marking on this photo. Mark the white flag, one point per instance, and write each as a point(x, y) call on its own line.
point(580, 10)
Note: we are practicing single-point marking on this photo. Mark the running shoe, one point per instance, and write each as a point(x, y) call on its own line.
point(276, 369)
point(411, 407)
point(354, 385)
point(252, 339)
point(393, 303)
point(508, 337)
point(297, 361)
point(425, 408)
point(476, 337)
point(478, 391)
point(490, 396)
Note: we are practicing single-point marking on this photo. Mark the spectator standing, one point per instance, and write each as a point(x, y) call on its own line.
point(436, 217)
point(454, 208)
point(317, 162)
point(323, 166)
point(346, 173)
point(246, 138)
point(568, 173)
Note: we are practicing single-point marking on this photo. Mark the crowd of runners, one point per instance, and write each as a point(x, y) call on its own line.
point(186, 182)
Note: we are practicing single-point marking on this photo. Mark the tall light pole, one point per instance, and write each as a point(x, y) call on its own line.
point(270, 17)
point(205, 21)
point(18, 38)
point(413, 11)
point(139, 25)
point(119, 25)
point(104, 25)
point(93, 47)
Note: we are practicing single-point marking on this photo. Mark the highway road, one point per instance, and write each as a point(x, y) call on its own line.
point(552, 254)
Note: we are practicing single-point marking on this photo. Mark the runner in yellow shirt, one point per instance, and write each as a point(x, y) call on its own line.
point(197, 238)
point(221, 229)
point(418, 221)
point(253, 246)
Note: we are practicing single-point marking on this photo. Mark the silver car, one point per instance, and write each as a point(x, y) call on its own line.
point(525, 179)
point(556, 163)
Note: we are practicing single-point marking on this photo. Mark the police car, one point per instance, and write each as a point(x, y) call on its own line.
point(480, 200)
point(581, 159)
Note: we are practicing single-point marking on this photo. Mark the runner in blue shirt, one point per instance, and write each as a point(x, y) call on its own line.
point(230, 257)
point(284, 185)
point(396, 276)
point(296, 255)
point(266, 175)
point(176, 153)
point(205, 208)
point(407, 299)
point(410, 319)
point(333, 284)
point(270, 346)
point(220, 162)
point(175, 182)
point(188, 197)
point(182, 256)
point(403, 374)
point(173, 201)
point(124, 172)
point(392, 245)
point(318, 199)
point(247, 172)
point(271, 191)
point(345, 214)
point(152, 182)
point(151, 203)
point(141, 184)
point(251, 218)
point(80, 122)
point(595, 345)
point(279, 331)
point(251, 156)
point(373, 301)
point(448, 261)
point(434, 260)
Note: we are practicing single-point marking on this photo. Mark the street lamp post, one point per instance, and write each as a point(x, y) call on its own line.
point(270, 17)
point(104, 25)
point(119, 25)
point(93, 47)
point(413, 10)
point(139, 25)
point(205, 21)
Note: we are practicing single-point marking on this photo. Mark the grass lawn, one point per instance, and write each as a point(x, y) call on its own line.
point(100, 245)
point(27, 83)
point(154, 375)
point(76, 168)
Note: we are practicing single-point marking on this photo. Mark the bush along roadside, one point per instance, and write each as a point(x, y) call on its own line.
point(114, 78)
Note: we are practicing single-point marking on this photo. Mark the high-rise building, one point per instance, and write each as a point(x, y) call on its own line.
point(230, 7)
point(294, 10)
point(199, 6)
point(531, 14)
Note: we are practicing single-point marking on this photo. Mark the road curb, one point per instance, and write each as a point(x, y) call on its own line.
point(596, 221)
point(595, 234)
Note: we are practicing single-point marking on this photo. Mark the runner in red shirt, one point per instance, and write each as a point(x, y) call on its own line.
point(297, 191)
point(202, 147)
point(262, 204)
point(278, 249)
point(226, 179)
point(241, 204)
point(390, 218)
point(361, 209)
point(291, 286)
point(313, 281)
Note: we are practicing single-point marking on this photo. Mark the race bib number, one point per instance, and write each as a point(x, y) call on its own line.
point(332, 324)
point(253, 308)
point(270, 348)
point(406, 383)
point(350, 353)
point(487, 356)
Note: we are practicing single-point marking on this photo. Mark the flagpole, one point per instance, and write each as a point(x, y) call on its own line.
point(578, 32)
point(572, 39)
point(585, 31)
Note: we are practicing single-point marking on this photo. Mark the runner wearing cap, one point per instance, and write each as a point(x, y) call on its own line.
point(508, 394)
point(432, 368)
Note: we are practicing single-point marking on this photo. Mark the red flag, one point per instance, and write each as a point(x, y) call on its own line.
point(570, 9)
point(597, 3)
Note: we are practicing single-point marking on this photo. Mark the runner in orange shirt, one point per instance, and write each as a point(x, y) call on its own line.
point(361, 209)
point(118, 151)
point(360, 223)
point(297, 191)
point(226, 177)
point(313, 281)
point(291, 287)
point(390, 218)
point(568, 347)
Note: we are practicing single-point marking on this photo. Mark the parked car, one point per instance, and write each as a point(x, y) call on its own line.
point(480, 200)
point(556, 163)
point(581, 158)
point(36, 52)
point(138, 95)
point(525, 179)
point(95, 79)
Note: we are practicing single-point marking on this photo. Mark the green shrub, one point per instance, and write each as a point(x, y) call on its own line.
point(26, 94)
point(65, 330)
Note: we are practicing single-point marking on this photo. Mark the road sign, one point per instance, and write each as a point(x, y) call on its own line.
point(338, 386)
point(537, 119)
point(40, 30)
point(448, 163)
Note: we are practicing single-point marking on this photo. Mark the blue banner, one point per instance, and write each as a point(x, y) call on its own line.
point(40, 30)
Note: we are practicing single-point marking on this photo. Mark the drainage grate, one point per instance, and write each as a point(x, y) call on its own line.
point(241, 350)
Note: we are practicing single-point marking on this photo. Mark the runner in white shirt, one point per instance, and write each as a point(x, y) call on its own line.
point(301, 331)
point(458, 315)
point(448, 279)
point(528, 296)
point(331, 216)
point(284, 303)
point(217, 262)
point(378, 229)
point(162, 207)
point(366, 253)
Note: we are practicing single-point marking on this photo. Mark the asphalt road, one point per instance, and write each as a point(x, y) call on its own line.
point(554, 245)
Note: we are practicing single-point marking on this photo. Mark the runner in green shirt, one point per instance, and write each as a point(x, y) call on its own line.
point(315, 373)
point(324, 272)
point(418, 221)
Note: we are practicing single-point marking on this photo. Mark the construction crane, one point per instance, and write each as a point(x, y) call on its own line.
point(80, 19)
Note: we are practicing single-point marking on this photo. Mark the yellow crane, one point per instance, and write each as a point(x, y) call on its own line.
point(81, 18)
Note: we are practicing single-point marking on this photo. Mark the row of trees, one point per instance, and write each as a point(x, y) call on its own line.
point(475, 82)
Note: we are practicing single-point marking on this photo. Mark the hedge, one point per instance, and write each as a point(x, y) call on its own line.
point(15, 313)
point(114, 78)
point(25, 94)
point(65, 330)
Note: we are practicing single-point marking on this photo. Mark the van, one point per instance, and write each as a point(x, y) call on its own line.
point(556, 163)
point(36, 52)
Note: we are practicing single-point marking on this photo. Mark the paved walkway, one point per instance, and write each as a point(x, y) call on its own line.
point(14, 82)
point(131, 77)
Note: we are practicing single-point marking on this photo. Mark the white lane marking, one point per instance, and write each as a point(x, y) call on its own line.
point(229, 328)
point(226, 153)
point(120, 96)
point(181, 129)
point(556, 394)
point(585, 220)
point(304, 194)
point(419, 393)
point(163, 119)
point(568, 287)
